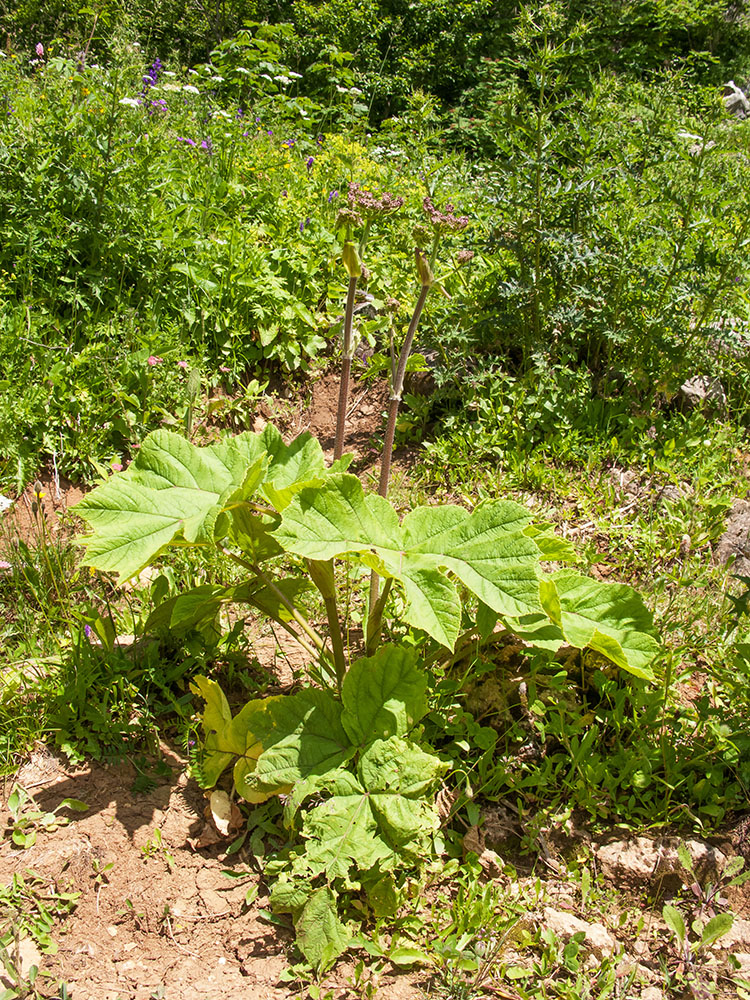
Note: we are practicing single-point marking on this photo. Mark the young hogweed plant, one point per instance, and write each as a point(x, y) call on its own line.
point(346, 753)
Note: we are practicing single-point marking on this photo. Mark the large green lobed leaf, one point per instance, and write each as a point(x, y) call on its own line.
point(383, 695)
point(378, 816)
point(486, 550)
point(610, 618)
point(301, 735)
point(175, 491)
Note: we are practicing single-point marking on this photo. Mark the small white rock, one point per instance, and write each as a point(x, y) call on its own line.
point(28, 955)
point(597, 938)
point(652, 993)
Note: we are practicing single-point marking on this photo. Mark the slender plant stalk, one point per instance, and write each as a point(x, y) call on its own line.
point(445, 657)
point(311, 651)
point(297, 615)
point(393, 406)
point(346, 369)
point(396, 390)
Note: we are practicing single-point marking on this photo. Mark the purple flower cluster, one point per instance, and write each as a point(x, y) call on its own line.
point(447, 221)
point(364, 203)
point(151, 77)
point(152, 73)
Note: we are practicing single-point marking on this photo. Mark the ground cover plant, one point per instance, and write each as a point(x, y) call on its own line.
point(552, 241)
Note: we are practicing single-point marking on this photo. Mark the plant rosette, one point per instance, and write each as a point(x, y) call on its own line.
point(347, 755)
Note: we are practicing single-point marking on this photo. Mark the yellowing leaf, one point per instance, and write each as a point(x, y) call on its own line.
point(221, 811)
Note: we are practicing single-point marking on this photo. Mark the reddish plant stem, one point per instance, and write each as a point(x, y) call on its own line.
point(396, 390)
point(346, 369)
point(390, 431)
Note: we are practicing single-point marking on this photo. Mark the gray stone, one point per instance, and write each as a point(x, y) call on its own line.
point(734, 544)
point(701, 392)
point(735, 100)
point(641, 860)
point(597, 940)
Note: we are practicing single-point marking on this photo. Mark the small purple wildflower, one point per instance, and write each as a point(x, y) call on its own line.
point(89, 632)
point(208, 146)
point(182, 138)
point(332, 196)
point(320, 140)
point(309, 162)
point(303, 225)
point(269, 132)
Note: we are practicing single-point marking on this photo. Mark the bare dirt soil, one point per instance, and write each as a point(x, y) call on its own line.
point(58, 496)
point(162, 921)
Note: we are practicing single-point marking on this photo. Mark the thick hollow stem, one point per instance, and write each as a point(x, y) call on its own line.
point(337, 641)
point(346, 368)
point(322, 575)
point(375, 620)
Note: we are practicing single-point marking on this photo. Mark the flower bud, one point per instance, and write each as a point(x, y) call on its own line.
point(425, 271)
point(351, 260)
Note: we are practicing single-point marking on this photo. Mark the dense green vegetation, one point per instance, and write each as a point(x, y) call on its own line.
point(181, 187)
